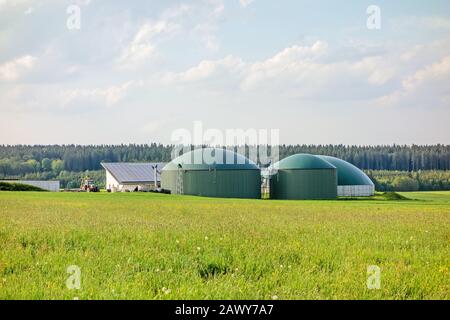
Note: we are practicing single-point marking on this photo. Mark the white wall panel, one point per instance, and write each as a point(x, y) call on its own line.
point(356, 191)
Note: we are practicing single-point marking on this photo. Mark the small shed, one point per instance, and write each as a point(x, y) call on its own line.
point(127, 176)
point(52, 186)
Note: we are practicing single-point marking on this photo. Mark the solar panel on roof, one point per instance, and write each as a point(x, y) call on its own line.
point(125, 172)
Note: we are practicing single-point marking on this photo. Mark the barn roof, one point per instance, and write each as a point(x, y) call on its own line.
point(134, 172)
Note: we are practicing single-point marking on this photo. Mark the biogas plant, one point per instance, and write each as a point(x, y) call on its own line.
point(227, 174)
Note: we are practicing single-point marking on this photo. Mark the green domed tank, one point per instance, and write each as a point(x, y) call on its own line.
point(303, 176)
point(352, 182)
point(212, 172)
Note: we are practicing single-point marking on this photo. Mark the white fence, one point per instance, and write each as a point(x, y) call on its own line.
point(356, 191)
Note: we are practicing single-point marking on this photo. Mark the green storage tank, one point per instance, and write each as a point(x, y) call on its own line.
point(303, 176)
point(212, 172)
point(352, 182)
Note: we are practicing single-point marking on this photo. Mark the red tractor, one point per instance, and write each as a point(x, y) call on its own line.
point(89, 185)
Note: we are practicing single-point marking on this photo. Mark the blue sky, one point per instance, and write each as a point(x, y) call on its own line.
point(136, 71)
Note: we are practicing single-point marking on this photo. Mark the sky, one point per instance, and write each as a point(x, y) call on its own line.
point(321, 72)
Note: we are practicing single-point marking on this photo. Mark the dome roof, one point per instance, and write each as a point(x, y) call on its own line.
point(348, 174)
point(303, 161)
point(211, 158)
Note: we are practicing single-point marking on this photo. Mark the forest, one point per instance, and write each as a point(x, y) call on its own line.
point(391, 167)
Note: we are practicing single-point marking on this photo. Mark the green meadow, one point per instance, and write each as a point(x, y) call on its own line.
point(152, 246)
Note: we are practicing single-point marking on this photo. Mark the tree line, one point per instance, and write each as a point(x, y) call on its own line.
point(392, 168)
point(427, 180)
point(17, 160)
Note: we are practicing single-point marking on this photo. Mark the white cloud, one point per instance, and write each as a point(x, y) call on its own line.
point(206, 29)
point(108, 96)
point(314, 73)
point(246, 3)
point(424, 22)
point(249, 75)
point(13, 70)
point(428, 86)
point(30, 10)
point(377, 69)
point(154, 126)
point(198, 21)
point(62, 98)
point(192, 67)
point(14, 3)
point(293, 62)
point(176, 12)
point(302, 71)
point(437, 22)
point(206, 32)
point(437, 73)
point(206, 70)
point(143, 45)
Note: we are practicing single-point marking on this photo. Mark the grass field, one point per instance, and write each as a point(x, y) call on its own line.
point(151, 246)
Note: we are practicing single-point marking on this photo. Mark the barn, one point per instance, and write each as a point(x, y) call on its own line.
point(126, 176)
point(52, 186)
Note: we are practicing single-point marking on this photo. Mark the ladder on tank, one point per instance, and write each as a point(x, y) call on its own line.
point(179, 181)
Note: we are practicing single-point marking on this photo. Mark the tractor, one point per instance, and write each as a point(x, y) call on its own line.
point(88, 185)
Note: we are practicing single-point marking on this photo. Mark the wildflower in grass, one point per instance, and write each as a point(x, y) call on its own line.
point(165, 290)
point(206, 238)
point(443, 269)
point(75, 298)
point(274, 297)
point(198, 248)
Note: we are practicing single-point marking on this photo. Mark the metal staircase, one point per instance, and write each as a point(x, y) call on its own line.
point(179, 181)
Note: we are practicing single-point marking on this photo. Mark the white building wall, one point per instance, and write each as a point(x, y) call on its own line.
point(356, 191)
point(132, 187)
point(46, 185)
point(111, 182)
point(115, 186)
